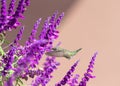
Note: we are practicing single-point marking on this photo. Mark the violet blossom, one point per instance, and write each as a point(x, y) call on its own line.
point(9, 20)
point(73, 80)
point(88, 74)
point(68, 75)
point(49, 66)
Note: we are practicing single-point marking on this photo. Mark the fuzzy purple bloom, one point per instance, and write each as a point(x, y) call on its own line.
point(9, 20)
point(49, 66)
point(31, 38)
point(19, 36)
point(3, 10)
point(31, 73)
point(3, 17)
point(49, 31)
point(59, 19)
point(68, 75)
point(88, 74)
point(74, 80)
point(8, 60)
point(27, 2)
point(11, 7)
point(13, 22)
point(19, 10)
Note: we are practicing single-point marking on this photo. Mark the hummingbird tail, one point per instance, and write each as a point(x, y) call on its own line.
point(68, 57)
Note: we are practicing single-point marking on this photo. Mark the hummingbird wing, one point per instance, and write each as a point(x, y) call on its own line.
point(55, 53)
point(57, 49)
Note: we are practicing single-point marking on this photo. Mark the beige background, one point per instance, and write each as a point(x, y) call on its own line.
point(93, 25)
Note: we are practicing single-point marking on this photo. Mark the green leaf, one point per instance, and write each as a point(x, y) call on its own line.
point(1, 84)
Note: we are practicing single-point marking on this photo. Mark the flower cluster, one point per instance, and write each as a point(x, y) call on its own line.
point(49, 66)
point(9, 19)
point(20, 62)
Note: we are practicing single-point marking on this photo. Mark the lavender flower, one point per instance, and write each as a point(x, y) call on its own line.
point(3, 16)
point(74, 80)
point(3, 11)
point(19, 36)
point(27, 2)
point(31, 38)
point(59, 19)
point(31, 73)
point(68, 75)
point(50, 29)
point(45, 76)
point(13, 22)
point(9, 20)
point(11, 7)
point(88, 74)
point(19, 10)
point(8, 60)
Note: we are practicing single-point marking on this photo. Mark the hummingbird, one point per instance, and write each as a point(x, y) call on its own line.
point(60, 52)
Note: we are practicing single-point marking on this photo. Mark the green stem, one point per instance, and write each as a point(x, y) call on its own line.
point(2, 51)
point(2, 39)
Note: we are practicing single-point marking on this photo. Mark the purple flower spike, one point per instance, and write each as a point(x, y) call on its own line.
point(8, 60)
point(68, 75)
point(31, 38)
point(9, 20)
point(19, 36)
point(11, 7)
point(49, 31)
point(53, 18)
point(74, 80)
point(3, 10)
point(19, 10)
point(3, 17)
point(59, 19)
point(45, 28)
point(27, 2)
point(88, 74)
point(13, 21)
point(31, 73)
